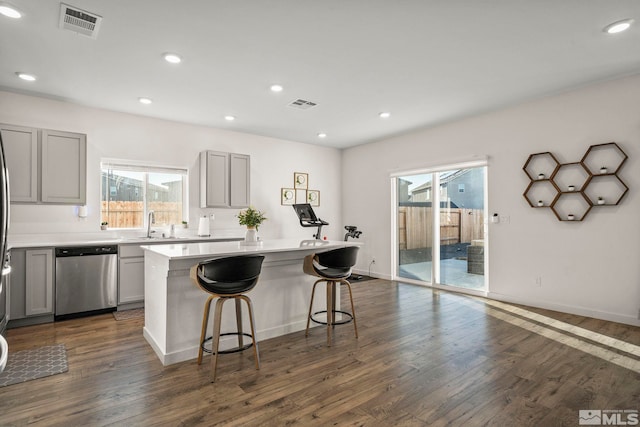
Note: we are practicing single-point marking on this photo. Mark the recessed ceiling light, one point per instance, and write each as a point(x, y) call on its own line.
point(229, 118)
point(145, 101)
point(26, 76)
point(173, 58)
point(618, 27)
point(10, 11)
point(276, 88)
point(385, 115)
point(322, 135)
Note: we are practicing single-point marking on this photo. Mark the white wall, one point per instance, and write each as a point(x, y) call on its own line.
point(126, 136)
point(590, 267)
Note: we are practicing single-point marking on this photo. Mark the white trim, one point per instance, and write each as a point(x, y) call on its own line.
point(485, 224)
point(571, 309)
point(127, 165)
point(436, 201)
point(442, 167)
point(436, 211)
point(394, 227)
point(146, 168)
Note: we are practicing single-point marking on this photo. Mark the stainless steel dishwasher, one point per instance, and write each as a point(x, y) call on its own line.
point(86, 280)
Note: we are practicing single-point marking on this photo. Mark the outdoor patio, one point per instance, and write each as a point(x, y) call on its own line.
point(416, 264)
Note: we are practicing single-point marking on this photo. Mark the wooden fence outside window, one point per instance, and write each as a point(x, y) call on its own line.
point(415, 224)
point(120, 214)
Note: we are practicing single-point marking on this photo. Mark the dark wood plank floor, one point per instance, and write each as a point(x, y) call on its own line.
point(423, 358)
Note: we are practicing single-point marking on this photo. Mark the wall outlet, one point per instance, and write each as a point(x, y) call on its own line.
point(373, 260)
point(538, 281)
point(505, 219)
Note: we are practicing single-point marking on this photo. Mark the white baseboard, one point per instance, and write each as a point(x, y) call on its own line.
point(547, 305)
point(225, 342)
point(579, 311)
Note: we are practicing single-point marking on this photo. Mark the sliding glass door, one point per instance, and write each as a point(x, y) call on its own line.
point(415, 227)
point(441, 227)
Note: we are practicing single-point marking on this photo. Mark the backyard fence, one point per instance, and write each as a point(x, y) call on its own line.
point(121, 214)
point(456, 226)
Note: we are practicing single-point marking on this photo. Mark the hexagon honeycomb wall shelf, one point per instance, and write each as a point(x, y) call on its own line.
point(570, 190)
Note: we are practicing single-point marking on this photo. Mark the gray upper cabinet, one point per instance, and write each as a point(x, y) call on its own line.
point(45, 166)
point(21, 151)
point(224, 180)
point(64, 164)
point(214, 179)
point(240, 180)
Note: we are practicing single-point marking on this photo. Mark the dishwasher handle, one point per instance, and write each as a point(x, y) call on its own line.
point(86, 251)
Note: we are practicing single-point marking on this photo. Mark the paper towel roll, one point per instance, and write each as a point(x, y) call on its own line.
point(203, 227)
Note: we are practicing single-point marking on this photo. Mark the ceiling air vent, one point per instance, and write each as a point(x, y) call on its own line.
point(302, 104)
point(79, 21)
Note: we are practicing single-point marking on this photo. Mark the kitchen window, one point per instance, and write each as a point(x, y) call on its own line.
point(130, 191)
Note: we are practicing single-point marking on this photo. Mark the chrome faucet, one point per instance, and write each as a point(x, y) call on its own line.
point(150, 220)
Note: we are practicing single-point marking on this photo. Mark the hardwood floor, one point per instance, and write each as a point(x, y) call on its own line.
point(423, 358)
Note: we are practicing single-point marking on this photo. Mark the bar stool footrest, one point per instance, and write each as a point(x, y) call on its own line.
point(338, 322)
point(231, 350)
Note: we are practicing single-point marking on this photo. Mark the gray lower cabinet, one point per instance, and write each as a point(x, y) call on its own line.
point(130, 275)
point(224, 180)
point(31, 286)
point(45, 166)
point(131, 272)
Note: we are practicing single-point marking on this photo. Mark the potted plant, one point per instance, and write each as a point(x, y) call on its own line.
point(571, 217)
point(540, 203)
point(540, 176)
point(600, 201)
point(251, 218)
point(603, 169)
point(572, 187)
point(185, 224)
point(103, 225)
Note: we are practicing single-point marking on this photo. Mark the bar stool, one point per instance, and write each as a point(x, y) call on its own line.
point(227, 278)
point(332, 267)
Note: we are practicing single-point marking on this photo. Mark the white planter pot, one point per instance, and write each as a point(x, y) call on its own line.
point(251, 235)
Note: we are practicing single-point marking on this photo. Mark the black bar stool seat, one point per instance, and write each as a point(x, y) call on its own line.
point(332, 267)
point(227, 278)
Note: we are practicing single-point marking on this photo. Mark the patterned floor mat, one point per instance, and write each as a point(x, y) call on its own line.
point(29, 365)
point(129, 314)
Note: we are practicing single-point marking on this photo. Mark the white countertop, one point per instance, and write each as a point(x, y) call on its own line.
point(110, 238)
point(199, 250)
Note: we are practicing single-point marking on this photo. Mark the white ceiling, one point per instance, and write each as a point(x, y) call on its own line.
point(425, 61)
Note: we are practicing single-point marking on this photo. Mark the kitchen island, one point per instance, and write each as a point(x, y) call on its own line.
point(174, 304)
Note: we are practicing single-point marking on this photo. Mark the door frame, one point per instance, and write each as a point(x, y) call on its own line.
point(435, 265)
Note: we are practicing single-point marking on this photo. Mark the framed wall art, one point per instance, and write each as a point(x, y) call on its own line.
point(313, 197)
point(287, 196)
point(300, 180)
